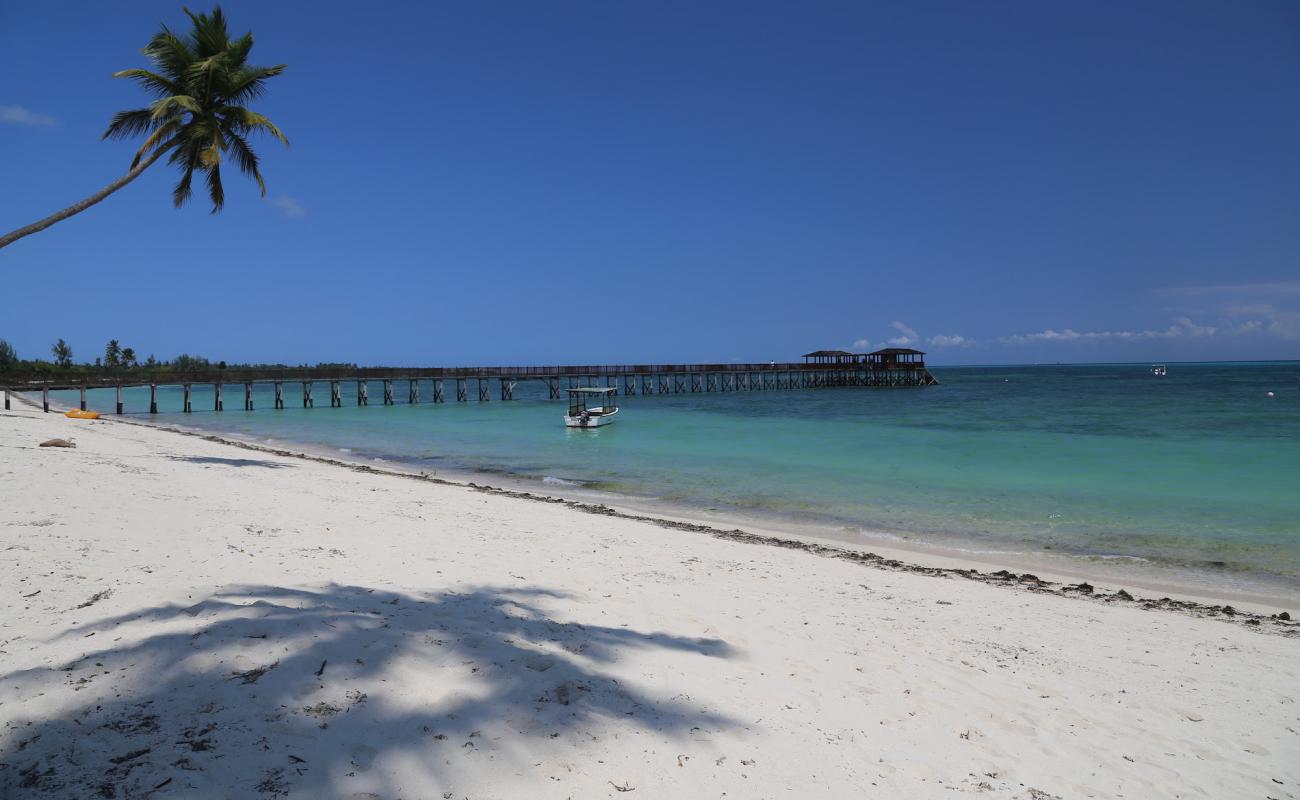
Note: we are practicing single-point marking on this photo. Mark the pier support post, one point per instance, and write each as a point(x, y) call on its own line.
point(437, 392)
point(83, 398)
point(553, 387)
point(647, 385)
point(45, 398)
point(741, 380)
point(153, 398)
point(662, 380)
point(413, 392)
point(248, 396)
point(185, 400)
point(306, 394)
point(279, 395)
point(462, 390)
point(336, 395)
point(507, 389)
point(695, 382)
point(629, 385)
point(484, 394)
point(6, 398)
point(218, 404)
point(388, 392)
point(119, 398)
point(363, 393)
point(678, 385)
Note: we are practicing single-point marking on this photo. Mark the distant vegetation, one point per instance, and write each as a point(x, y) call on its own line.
point(201, 83)
point(119, 360)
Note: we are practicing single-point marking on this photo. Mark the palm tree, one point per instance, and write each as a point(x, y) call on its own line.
point(62, 353)
point(201, 82)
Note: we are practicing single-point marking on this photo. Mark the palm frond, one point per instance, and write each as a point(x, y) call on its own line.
point(129, 123)
point(151, 82)
point(215, 191)
point(244, 121)
point(171, 53)
point(181, 194)
point(155, 140)
point(250, 82)
point(209, 35)
point(246, 159)
point(172, 106)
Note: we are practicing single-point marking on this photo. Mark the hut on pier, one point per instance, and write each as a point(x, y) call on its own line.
point(896, 358)
point(829, 357)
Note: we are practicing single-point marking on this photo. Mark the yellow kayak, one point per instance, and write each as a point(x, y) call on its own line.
point(79, 414)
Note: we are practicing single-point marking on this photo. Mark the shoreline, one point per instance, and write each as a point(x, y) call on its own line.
point(891, 553)
point(1264, 593)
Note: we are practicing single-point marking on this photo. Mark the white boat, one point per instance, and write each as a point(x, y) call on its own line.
point(581, 415)
point(1159, 369)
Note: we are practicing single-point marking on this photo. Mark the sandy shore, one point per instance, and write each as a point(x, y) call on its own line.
point(187, 618)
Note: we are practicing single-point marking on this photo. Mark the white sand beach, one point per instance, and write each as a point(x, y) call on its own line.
point(186, 618)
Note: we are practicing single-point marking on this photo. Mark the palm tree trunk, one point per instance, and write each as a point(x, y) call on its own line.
point(77, 208)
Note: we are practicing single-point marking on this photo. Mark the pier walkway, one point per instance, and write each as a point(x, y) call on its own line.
point(464, 382)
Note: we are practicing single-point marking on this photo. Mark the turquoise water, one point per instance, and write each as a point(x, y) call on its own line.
point(1197, 468)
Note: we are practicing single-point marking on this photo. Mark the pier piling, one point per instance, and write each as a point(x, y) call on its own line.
point(483, 393)
point(119, 398)
point(437, 392)
point(153, 398)
point(248, 396)
point(83, 398)
point(307, 402)
point(279, 395)
point(388, 392)
point(363, 394)
point(413, 392)
point(45, 398)
point(217, 403)
point(336, 395)
point(185, 402)
point(6, 398)
point(462, 390)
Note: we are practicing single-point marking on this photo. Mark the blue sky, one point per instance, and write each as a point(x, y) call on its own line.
point(481, 183)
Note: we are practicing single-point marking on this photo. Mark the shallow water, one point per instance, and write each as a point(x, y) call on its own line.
point(1199, 468)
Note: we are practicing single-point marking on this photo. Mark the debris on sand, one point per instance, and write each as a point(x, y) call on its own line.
point(58, 443)
point(252, 675)
point(95, 598)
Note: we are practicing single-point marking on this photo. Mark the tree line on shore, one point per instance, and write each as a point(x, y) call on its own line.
point(118, 359)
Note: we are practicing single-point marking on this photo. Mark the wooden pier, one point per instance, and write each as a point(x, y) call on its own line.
point(822, 369)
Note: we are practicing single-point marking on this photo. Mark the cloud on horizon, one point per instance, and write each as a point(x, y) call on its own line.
point(17, 115)
point(290, 206)
point(1284, 325)
point(941, 340)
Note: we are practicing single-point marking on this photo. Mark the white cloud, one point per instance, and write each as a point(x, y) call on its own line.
point(17, 115)
point(909, 336)
point(1273, 288)
point(940, 340)
point(861, 344)
point(1182, 328)
point(290, 206)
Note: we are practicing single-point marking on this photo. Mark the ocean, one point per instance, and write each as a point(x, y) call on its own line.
point(1196, 472)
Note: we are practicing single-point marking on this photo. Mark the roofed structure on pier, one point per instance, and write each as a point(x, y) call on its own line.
point(896, 358)
point(829, 357)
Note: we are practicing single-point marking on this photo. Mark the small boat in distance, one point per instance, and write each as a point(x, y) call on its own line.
point(582, 416)
point(1159, 370)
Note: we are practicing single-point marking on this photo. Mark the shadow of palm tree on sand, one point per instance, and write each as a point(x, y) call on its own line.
point(342, 691)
